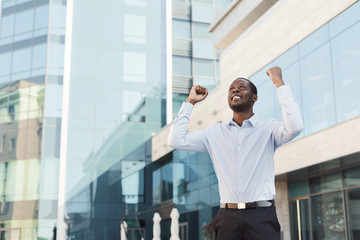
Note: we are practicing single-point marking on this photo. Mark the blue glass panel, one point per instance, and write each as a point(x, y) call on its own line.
point(313, 41)
point(5, 63)
point(39, 56)
point(24, 21)
point(264, 107)
point(7, 26)
point(56, 55)
point(317, 90)
point(41, 17)
point(287, 58)
point(181, 29)
point(345, 59)
point(21, 60)
point(345, 20)
point(204, 67)
point(298, 189)
point(201, 31)
point(181, 66)
point(57, 16)
point(203, 49)
point(202, 13)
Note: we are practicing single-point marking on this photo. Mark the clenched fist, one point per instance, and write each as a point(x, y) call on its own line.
point(276, 76)
point(197, 94)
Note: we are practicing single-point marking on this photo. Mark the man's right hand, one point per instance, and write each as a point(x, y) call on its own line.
point(197, 94)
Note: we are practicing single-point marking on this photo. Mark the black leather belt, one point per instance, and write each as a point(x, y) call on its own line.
point(257, 204)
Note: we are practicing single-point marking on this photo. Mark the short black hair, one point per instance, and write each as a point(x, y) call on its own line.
point(252, 86)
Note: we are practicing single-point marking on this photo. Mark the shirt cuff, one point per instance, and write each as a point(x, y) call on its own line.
point(284, 92)
point(186, 109)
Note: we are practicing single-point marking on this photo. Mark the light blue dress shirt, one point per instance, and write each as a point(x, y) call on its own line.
point(243, 157)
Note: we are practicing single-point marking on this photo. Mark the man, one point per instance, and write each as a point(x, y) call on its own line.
point(242, 153)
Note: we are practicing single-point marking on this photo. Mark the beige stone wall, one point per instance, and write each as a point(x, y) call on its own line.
point(282, 207)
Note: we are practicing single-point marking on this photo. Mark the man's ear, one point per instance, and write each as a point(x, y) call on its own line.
point(254, 98)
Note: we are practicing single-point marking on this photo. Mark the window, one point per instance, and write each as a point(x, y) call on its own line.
point(181, 66)
point(181, 29)
point(12, 144)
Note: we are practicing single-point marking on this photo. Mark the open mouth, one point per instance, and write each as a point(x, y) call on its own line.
point(236, 98)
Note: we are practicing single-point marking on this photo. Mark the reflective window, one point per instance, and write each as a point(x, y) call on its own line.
point(136, 3)
point(264, 107)
point(57, 16)
point(286, 59)
point(352, 199)
point(134, 28)
point(313, 41)
point(203, 1)
point(7, 26)
point(5, 63)
point(181, 66)
point(327, 216)
point(299, 210)
point(107, 99)
point(39, 56)
point(202, 13)
point(203, 49)
point(24, 21)
point(133, 187)
point(181, 29)
point(51, 142)
point(55, 56)
point(131, 99)
point(21, 60)
point(134, 66)
point(204, 67)
point(222, 3)
point(325, 183)
point(317, 90)
point(297, 189)
point(41, 17)
point(345, 59)
point(163, 183)
point(201, 31)
point(82, 107)
point(352, 177)
point(345, 20)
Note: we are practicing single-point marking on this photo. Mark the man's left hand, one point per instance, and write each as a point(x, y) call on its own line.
point(276, 76)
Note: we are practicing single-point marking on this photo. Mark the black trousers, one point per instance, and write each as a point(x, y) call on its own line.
point(246, 224)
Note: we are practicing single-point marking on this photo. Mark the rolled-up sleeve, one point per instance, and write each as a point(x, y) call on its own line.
point(178, 136)
point(292, 123)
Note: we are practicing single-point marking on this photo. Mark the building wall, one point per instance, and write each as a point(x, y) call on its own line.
point(268, 42)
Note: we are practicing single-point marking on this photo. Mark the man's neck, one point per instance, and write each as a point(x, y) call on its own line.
point(240, 117)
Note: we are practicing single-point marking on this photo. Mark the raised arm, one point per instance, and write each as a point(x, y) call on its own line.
point(178, 136)
point(292, 123)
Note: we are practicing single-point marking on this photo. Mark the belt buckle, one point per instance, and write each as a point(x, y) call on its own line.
point(241, 205)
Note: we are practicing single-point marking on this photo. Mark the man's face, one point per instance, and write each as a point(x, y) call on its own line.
point(240, 96)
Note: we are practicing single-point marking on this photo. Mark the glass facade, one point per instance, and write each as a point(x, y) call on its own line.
point(322, 73)
point(31, 60)
point(325, 206)
point(195, 61)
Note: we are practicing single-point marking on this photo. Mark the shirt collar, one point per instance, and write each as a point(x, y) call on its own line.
point(249, 122)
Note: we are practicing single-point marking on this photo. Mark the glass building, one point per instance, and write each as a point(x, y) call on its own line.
point(82, 89)
point(32, 37)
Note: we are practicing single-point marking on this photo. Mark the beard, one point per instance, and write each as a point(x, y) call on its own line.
point(241, 107)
